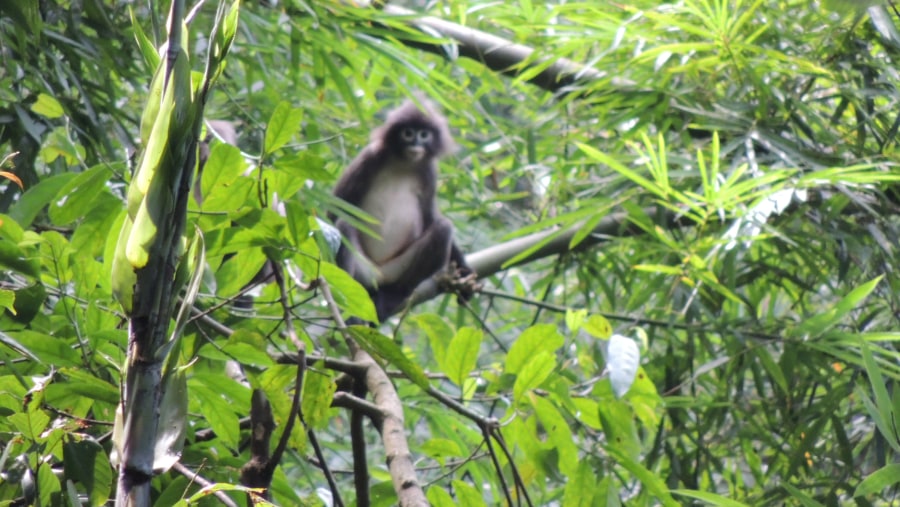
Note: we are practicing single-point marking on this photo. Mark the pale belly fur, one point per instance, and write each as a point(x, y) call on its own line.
point(394, 201)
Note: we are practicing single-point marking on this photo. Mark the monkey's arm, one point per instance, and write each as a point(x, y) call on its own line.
point(351, 258)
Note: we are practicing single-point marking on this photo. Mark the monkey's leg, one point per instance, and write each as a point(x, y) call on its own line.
point(422, 258)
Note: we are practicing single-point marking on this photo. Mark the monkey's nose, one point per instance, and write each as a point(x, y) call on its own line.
point(415, 153)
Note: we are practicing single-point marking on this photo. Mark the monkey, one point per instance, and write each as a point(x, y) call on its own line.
point(394, 179)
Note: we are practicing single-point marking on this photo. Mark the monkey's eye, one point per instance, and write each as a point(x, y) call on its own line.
point(424, 136)
point(408, 135)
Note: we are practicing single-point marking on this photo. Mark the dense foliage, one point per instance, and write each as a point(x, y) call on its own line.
point(718, 185)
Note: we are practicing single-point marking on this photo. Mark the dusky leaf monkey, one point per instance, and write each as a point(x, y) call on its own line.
point(394, 180)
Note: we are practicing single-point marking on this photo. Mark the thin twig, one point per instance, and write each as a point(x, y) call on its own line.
point(195, 477)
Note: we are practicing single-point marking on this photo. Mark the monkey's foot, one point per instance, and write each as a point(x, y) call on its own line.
point(462, 282)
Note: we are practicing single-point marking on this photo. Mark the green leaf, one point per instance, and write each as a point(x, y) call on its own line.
point(378, 345)
point(248, 354)
point(50, 349)
point(148, 49)
point(14, 258)
point(439, 334)
point(7, 300)
point(581, 486)
point(535, 371)
point(878, 480)
point(439, 497)
point(84, 383)
point(558, 433)
point(534, 340)
point(349, 294)
point(709, 498)
point(85, 462)
point(49, 484)
point(655, 485)
point(30, 204)
point(224, 165)
point(801, 497)
point(304, 166)
point(14, 344)
point(597, 326)
point(218, 412)
point(462, 354)
point(619, 427)
point(30, 423)
point(283, 124)
point(318, 393)
point(75, 199)
point(467, 495)
point(47, 106)
point(818, 324)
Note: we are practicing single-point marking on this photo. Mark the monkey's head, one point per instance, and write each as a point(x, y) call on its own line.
point(414, 132)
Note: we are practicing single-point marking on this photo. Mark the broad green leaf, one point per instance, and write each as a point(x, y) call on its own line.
point(534, 340)
point(75, 199)
point(558, 433)
point(85, 461)
point(378, 345)
point(30, 204)
point(439, 334)
point(7, 299)
point(619, 427)
point(462, 354)
point(50, 349)
point(574, 319)
point(318, 393)
point(533, 373)
point(597, 326)
point(14, 258)
point(304, 166)
point(47, 106)
point(224, 165)
point(218, 413)
point(439, 497)
point(349, 294)
point(30, 423)
point(439, 449)
point(282, 125)
point(49, 484)
point(83, 383)
point(467, 495)
point(14, 344)
point(581, 486)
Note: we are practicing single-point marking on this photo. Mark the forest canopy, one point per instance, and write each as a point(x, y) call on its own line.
point(683, 216)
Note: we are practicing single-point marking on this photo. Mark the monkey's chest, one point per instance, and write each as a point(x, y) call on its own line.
point(394, 200)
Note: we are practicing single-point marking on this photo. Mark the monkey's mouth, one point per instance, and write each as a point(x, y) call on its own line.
point(415, 153)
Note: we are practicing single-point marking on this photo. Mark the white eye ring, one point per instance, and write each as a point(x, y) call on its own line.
point(424, 136)
point(408, 135)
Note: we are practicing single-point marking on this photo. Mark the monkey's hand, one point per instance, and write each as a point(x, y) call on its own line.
point(462, 281)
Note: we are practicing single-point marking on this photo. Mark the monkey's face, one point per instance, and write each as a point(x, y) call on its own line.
point(416, 142)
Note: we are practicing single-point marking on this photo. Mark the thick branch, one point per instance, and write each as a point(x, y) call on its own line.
point(499, 54)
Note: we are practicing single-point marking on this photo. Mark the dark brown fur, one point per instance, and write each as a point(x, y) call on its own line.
point(430, 247)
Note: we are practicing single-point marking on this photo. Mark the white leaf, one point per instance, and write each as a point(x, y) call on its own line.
point(623, 358)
